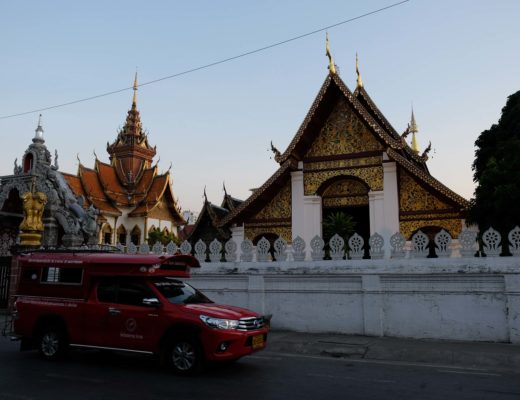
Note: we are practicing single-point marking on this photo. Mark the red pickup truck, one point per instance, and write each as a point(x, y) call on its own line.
point(132, 303)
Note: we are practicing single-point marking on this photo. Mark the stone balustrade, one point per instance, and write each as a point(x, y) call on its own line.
point(420, 246)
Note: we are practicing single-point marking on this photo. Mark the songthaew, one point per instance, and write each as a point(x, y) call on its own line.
point(135, 303)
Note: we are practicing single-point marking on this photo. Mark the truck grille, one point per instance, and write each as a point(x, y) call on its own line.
point(250, 324)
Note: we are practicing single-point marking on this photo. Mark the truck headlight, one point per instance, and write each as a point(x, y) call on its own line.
point(219, 323)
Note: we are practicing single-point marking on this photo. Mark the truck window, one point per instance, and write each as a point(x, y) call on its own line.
point(62, 275)
point(123, 292)
point(107, 291)
point(133, 293)
point(178, 292)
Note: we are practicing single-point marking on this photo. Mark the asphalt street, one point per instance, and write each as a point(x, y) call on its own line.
point(265, 375)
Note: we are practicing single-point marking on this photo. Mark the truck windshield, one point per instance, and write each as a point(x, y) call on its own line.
point(178, 292)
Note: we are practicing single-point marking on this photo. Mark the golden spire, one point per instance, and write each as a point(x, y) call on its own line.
point(134, 101)
point(332, 67)
point(359, 80)
point(414, 130)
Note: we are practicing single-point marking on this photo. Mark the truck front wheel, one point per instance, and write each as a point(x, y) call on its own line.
point(184, 355)
point(51, 342)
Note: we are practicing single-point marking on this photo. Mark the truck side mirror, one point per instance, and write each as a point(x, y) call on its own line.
point(151, 302)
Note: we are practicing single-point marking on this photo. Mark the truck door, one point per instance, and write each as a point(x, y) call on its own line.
point(125, 321)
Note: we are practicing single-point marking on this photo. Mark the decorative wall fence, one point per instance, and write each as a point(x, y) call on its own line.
point(419, 247)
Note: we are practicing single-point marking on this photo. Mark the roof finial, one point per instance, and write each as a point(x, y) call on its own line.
point(38, 136)
point(414, 130)
point(224, 188)
point(332, 67)
point(134, 101)
point(205, 195)
point(359, 80)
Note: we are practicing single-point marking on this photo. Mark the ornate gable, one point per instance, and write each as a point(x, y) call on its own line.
point(343, 133)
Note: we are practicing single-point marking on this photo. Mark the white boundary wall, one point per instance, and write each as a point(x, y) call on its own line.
point(475, 299)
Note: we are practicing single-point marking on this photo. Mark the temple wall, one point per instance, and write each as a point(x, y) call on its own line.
point(474, 299)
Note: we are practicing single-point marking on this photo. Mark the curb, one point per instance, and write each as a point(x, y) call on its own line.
point(496, 356)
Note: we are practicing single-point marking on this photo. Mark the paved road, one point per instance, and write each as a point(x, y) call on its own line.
point(267, 375)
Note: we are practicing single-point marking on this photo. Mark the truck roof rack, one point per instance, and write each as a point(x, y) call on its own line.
point(81, 249)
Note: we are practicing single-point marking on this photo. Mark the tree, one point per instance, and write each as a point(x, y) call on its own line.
point(496, 169)
point(340, 223)
point(156, 235)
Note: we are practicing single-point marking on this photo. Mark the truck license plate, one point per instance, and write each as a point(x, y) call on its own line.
point(258, 341)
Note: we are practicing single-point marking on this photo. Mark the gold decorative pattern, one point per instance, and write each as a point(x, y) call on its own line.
point(279, 206)
point(427, 179)
point(413, 197)
point(393, 142)
point(345, 187)
point(372, 176)
point(345, 163)
point(343, 133)
point(453, 226)
point(284, 232)
point(345, 192)
point(428, 216)
point(345, 201)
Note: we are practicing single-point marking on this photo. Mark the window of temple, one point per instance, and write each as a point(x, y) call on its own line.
point(135, 236)
point(107, 234)
point(121, 235)
point(28, 162)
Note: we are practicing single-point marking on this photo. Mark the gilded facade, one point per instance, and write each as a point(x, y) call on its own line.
point(274, 218)
point(343, 133)
point(420, 208)
point(344, 193)
point(453, 226)
point(414, 197)
point(350, 149)
point(279, 207)
point(372, 176)
point(253, 231)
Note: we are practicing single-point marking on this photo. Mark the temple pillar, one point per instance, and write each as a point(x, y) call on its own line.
point(297, 203)
point(312, 221)
point(238, 236)
point(391, 202)
point(306, 210)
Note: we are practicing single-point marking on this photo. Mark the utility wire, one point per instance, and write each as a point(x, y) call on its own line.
point(248, 53)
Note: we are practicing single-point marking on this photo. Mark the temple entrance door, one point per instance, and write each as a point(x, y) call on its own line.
point(360, 215)
point(349, 195)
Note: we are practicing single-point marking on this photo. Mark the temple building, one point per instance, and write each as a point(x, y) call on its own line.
point(347, 157)
point(131, 195)
point(66, 219)
point(208, 227)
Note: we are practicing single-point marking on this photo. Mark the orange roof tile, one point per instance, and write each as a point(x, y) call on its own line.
point(75, 185)
point(94, 191)
point(110, 184)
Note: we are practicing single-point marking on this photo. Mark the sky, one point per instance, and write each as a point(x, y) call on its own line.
point(456, 62)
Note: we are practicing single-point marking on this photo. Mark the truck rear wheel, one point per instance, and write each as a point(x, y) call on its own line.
point(184, 355)
point(51, 342)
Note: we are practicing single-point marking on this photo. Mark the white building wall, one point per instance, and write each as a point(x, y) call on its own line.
point(458, 299)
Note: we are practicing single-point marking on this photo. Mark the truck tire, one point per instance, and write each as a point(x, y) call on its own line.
point(184, 355)
point(51, 342)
